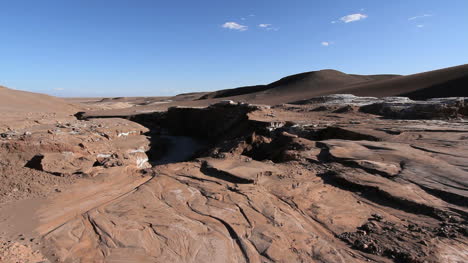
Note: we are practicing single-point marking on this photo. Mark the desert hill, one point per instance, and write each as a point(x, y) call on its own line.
point(309, 82)
point(446, 82)
point(22, 101)
point(21, 109)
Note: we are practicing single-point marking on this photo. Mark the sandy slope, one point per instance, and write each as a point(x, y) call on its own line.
point(22, 109)
point(446, 82)
point(305, 84)
point(22, 101)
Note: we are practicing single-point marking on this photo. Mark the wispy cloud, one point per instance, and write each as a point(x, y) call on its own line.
point(327, 43)
point(352, 18)
point(418, 17)
point(420, 26)
point(268, 27)
point(235, 26)
point(59, 89)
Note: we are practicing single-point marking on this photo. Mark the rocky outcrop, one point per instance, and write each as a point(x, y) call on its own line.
point(31, 158)
point(210, 122)
point(280, 184)
point(64, 163)
point(440, 108)
point(392, 107)
point(338, 99)
point(313, 189)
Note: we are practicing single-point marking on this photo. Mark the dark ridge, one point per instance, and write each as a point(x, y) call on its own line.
point(378, 196)
point(343, 134)
point(446, 196)
point(453, 88)
point(234, 92)
point(213, 172)
point(442, 83)
point(323, 79)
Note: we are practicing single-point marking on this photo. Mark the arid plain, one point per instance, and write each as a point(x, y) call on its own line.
point(321, 166)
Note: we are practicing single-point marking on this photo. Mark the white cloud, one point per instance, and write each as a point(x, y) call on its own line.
point(268, 27)
point(59, 89)
point(234, 26)
point(417, 17)
point(420, 26)
point(325, 43)
point(353, 18)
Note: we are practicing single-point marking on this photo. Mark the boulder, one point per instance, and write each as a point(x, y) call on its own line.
point(64, 163)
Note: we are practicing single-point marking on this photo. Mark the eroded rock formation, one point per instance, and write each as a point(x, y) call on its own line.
point(288, 183)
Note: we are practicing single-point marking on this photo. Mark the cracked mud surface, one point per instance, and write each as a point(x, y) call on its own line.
point(288, 183)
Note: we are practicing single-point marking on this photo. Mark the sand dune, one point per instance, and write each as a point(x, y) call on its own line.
point(305, 83)
point(21, 109)
point(22, 101)
point(446, 82)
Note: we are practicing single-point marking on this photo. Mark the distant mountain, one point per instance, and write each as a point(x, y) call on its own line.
point(446, 82)
point(303, 83)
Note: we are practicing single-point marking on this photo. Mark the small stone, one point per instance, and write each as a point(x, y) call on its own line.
point(377, 217)
point(362, 232)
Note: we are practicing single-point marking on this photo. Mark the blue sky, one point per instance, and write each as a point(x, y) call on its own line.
point(144, 47)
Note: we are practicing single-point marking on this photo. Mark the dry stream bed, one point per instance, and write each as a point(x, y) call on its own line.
point(238, 183)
